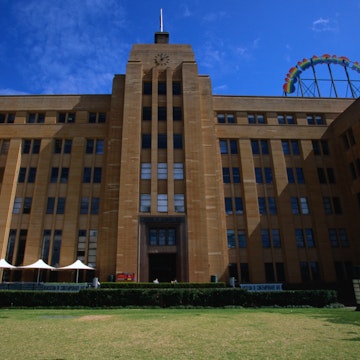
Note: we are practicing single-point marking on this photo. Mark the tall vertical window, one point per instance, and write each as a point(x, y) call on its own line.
point(178, 171)
point(162, 203)
point(231, 239)
point(242, 243)
point(239, 206)
point(286, 119)
point(145, 202)
point(162, 141)
point(33, 118)
point(228, 205)
point(146, 171)
point(226, 175)
point(260, 147)
point(315, 119)
point(236, 175)
point(179, 202)
point(162, 171)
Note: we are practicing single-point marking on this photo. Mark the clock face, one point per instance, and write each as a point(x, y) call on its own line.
point(162, 59)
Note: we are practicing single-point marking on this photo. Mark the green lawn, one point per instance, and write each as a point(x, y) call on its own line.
point(180, 334)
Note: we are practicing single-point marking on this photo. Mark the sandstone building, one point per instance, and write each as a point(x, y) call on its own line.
point(163, 179)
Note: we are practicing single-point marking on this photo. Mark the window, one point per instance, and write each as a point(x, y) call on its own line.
point(177, 113)
point(147, 88)
point(226, 175)
point(68, 118)
point(233, 147)
point(27, 205)
point(178, 141)
point(8, 118)
point(226, 145)
point(272, 205)
point(94, 145)
point(327, 205)
point(300, 175)
point(33, 118)
point(50, 206)
point(60, 208)
point(304, 236)
point(225, 118)
point(242, 243)
point(95, 205)
point(309, 235)
point(299, 206)
point(84, 206)
point(231, 239)
point(320, 147)
point(236, 175)
point(223, 147)
point(64, 176)
point(315, 119)
point(276, 240)
point(239, 206)
point(145, 202)
point(146, 113)
point(262, 205)
point(162, 237)
point(31, 146)
point(265, 238)
point(22, 175)
point(268, 175)
point(162, 113)
point(162, 203)
point(348, 138)
point(304, 206)
point(299, 237)
point(178, 171)
point(161, 88)
point(162, 141)
point(87, 175)
point(162, 171)
point(146, 141)
point(4, 146)
point(326, 175)
point(55, 255)
point(176, 88)
point(244, 273)
point(269, 272)
point(304, 271)
point(17, 205)
point(338, 237)
point(286, 119)
point(258, 176)
point(179, 202)
point(260, 147)
point(228, 206)
point(146, 171)
point(97, 117)
point(290, 147)
point(290, 175)
point(256, 119)
point(54, 174)
point(97, 175)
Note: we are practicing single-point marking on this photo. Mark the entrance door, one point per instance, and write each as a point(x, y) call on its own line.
point(162, 267)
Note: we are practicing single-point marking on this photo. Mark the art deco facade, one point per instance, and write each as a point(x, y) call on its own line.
point(163, 179)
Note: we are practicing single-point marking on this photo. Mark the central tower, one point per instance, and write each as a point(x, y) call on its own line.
point(165, 153)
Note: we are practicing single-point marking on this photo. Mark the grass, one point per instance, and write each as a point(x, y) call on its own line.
point(179, 334)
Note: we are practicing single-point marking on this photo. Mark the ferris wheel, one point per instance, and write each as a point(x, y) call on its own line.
point(326, 76)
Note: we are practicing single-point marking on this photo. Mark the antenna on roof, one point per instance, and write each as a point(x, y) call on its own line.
point(161, 21)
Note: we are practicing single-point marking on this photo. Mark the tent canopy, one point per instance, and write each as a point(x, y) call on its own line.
point(40, 264)
point(77, 265)
point(5, 265)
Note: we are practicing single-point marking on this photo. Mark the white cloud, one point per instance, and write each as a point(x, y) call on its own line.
point(8, 91)
point(322, 24)
point(71, 46)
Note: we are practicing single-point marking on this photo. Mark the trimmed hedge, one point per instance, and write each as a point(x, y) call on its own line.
point(163, 285)
point(199, 297)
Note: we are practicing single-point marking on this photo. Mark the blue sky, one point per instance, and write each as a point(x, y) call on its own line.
point(247, 47)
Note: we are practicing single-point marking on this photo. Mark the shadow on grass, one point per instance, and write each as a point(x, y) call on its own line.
point(340, 316)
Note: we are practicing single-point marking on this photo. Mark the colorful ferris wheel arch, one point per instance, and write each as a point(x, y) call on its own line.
point(294, 72)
